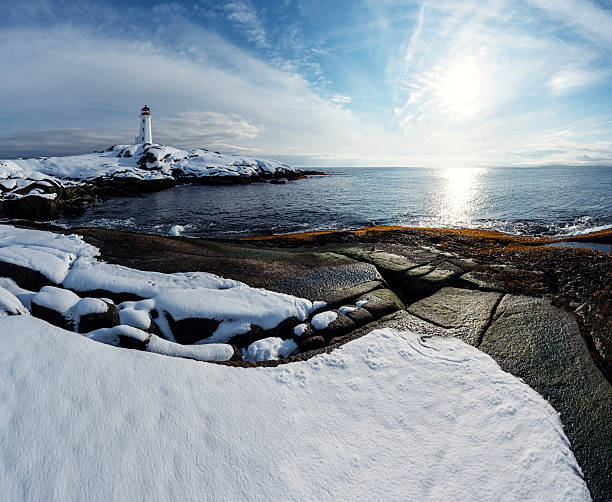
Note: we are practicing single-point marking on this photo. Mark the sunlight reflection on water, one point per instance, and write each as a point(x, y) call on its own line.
point(460, 196)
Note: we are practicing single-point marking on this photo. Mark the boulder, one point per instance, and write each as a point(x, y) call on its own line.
point(245, 339)
point(302, 331)
point(25, 277)
point(380, 302)
point(284, 329)
point(133, 338)
point(10, 304)
point(31, 207)
point(311, 343)
point(360, 316)
point(54, 305)
point(339, 326)
point(96, 320)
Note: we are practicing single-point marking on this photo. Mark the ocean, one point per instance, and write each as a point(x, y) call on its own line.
point(536, 201)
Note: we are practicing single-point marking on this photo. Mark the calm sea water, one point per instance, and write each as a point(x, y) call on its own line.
point(527, 201)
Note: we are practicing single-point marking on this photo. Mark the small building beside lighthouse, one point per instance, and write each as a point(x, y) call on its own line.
point(144, 133)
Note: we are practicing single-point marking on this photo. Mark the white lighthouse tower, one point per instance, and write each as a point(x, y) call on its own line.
point(144, 133)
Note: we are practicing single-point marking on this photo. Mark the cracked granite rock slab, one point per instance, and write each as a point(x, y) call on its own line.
point(464, 313)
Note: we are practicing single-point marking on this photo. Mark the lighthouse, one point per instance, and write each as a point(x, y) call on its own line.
point(144, 133)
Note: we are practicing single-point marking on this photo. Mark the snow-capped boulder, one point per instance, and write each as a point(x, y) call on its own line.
point(93, 313)
point(360, 316)
point(10, 304)
point(54, 305)
point(270, 348)
point(331, 323)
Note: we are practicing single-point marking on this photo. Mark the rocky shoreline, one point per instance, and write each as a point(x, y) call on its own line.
point(542, 312)
point(41, 189)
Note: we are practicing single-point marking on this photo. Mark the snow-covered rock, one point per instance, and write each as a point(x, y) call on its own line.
point(180, 300)
point(323, 319)
point(141, 161)
point(387, 416)
point(10, 304)
point(270, 348)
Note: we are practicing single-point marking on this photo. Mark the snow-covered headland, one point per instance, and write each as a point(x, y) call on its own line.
point(391, 414)
point(52, 183)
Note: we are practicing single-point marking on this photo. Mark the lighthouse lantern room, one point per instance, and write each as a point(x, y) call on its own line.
point(144, 133)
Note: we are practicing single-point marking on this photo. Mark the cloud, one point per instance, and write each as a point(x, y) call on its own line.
point(338, 98)
point(245, 18)
point(213, 93)
point(209, 129)
point(54, 142)
point(568, 80)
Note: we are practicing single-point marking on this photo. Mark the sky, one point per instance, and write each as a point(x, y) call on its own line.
point(314, 82)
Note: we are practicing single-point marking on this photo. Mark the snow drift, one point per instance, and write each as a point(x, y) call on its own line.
point(387, 416)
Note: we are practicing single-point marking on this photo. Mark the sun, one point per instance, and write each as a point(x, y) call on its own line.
point(460, 88)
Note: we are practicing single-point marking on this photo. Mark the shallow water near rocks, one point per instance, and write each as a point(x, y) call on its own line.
point(542, 201)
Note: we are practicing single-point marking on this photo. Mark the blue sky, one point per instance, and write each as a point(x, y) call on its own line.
point(313, 82)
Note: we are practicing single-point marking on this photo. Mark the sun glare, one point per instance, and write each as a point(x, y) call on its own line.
point(459, 197)
point(460, 88)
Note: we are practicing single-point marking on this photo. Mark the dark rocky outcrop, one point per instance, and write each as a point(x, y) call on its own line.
point(360, 316)
point(311, 343)
point(52, 316)
point(25, 277)
point(244, 340)
point(338, 327)
point(191, 330)
point(544, 314)
point(381, 302)
point(31, 207)
point(92, 322)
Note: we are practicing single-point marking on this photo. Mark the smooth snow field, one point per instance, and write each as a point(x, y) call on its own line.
point(388, 416)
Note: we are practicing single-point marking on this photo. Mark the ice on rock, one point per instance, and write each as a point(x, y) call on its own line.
point(323, 319)
point(347, 309)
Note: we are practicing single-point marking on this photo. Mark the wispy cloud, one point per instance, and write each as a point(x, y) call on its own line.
point(246, 19)
point(339, 98)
